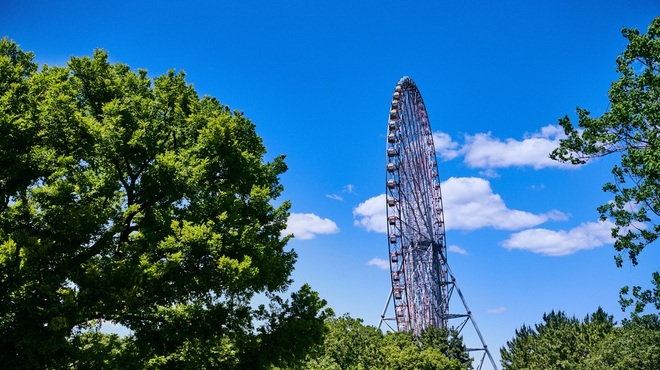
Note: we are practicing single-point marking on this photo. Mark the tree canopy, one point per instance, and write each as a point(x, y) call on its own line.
point(634, 345)
point(594, 343)
point(630, 129)
point(351, 345)
point(133, 201)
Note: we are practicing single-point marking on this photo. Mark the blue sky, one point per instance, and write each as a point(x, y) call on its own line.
point(317, 78)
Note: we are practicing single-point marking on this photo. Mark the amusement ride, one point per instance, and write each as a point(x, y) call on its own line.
point(422, 282)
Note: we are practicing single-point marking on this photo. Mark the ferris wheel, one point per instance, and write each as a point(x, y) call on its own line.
point(422, 282)
point(415, 216)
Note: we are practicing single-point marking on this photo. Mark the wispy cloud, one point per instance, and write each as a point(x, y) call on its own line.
point(348, 189)
point(489, 172)
point(379, 262)
point(457, 249)
point(497, 310)
point(334, 197)
point(586, 236)
point(305, 226)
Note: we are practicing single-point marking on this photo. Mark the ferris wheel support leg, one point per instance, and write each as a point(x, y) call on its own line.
point(382, 316)
point(474, 323)
point(481, 362)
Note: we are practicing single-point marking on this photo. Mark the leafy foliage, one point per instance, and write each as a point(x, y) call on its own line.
point(403, 353)
point(448, 342)
point(349, 344)
point(629, 129)
point(136, 202)
point(634, 346)
point(559, 342)
point(595, 343)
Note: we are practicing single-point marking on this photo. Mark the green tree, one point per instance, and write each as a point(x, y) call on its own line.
point(136, 202)
point(630, 130)
point(448, 342)
point(350, 345)
point(559, 342)
point(520, 350)
point(401, 352)
point(95, 350)
point(633, 346)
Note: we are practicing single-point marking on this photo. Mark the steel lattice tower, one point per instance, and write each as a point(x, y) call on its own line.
point(422, 282)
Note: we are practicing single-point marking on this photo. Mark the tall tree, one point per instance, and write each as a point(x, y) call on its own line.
point(562, 342)
point(630, 129)
point(448, 342)
point(136, 202)
point(402, 352)
point(633, 346)
point(350, 345)
point(559, 342)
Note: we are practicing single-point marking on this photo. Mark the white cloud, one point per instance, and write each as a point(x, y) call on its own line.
point(306, 226)
point(379, 262)
point(445, 146)
point(371, 214)
point(552, 131)
point(350, 189)
point(537, 187)
point(482, 150)
point(556, 215)
point(489, 172)
point(470, 204)
point(586, 236)
point(334, 197)
point(457, 249)
point(497, 310)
